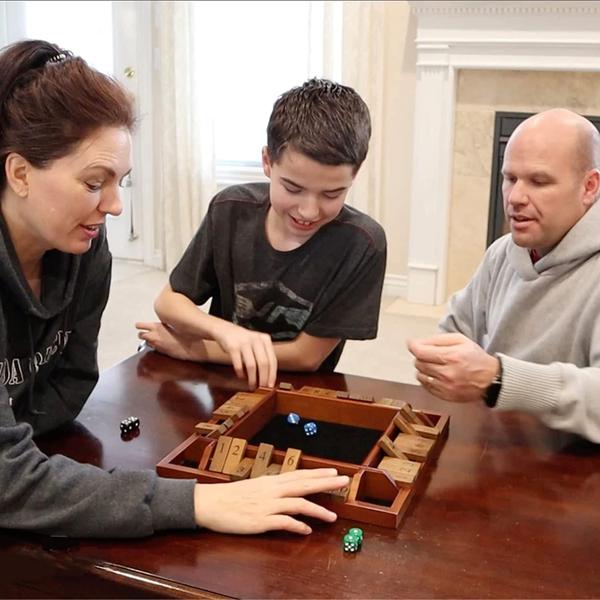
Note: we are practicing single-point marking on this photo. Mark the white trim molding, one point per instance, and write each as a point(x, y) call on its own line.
point(232, 175)
point(504, 7)
point(475, 35)
point(395, 285)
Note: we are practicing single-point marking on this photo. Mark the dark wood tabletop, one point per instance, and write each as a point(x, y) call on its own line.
point(509, 509)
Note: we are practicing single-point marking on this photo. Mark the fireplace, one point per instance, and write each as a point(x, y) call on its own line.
point(466, 50)
point(504, 124)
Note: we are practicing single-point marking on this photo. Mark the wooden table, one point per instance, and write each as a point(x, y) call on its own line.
point(509, 510)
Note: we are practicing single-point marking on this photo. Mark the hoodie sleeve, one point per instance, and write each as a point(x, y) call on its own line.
point(563, 395)
point(56, 495)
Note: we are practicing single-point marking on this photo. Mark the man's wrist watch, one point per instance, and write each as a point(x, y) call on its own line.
point(490, 396)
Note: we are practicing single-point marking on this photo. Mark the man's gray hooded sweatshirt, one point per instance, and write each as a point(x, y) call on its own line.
point(543, 321)
point(48, 369)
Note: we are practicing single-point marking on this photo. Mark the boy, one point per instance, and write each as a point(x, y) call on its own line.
point(292, 271)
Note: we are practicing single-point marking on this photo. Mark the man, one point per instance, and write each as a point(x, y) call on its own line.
point(525, 332)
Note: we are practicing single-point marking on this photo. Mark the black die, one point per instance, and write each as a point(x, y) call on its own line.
point(129, 424)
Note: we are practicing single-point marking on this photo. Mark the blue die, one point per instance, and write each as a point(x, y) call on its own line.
point(310, 428)
point(293, 419)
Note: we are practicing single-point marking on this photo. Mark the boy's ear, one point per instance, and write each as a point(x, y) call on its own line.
point(266, 162)
point(16, 169)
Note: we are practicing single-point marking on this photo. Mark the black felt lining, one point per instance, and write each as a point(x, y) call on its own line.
point(344, 443)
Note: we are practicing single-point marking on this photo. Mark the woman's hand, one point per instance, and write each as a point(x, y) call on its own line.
point(265, 503)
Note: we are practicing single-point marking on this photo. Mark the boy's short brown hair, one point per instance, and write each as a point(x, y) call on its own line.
point(326, 121)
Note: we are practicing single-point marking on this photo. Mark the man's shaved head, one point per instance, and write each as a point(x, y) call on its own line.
point(568, 127)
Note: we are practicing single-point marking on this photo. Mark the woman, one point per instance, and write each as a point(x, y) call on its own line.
point(64, 148)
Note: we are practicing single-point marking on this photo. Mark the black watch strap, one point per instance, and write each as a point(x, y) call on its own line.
point(490, 396)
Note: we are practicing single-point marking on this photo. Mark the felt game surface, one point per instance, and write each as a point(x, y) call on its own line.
point(332, 441)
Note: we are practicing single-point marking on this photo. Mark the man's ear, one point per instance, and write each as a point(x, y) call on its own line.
point(17, 170)
point(592, 187)
point(266, 162)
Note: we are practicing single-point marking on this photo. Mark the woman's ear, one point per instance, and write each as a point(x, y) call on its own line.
point(17, 170)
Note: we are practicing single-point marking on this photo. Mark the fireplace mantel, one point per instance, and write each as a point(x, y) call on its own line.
point(557, 36)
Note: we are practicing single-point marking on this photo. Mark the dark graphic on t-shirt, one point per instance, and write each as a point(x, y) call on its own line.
point(270, 307)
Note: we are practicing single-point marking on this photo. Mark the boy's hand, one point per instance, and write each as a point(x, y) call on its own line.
point(265, 503)
point(251, 353)
point(165, 340)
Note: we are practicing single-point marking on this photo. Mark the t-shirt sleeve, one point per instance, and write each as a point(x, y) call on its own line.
point(195, 276)
point(349, 307)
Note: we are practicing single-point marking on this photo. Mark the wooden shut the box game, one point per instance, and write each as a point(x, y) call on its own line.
point(383, 448)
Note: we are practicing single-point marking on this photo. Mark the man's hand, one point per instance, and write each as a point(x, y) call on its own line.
point(265, 503)
point(251, 353)
point(165, 340)
point(453, 367)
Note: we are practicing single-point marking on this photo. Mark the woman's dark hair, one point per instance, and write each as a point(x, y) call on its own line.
point(50, 101)
point(324, 120)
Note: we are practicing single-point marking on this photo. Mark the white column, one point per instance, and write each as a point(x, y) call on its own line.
point(431, 176)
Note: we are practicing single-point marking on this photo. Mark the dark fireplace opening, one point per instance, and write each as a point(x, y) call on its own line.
point(504, 125)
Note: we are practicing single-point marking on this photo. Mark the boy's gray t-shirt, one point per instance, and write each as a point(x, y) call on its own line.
point(328, 287)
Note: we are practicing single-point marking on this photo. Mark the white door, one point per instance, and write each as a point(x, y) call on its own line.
point(104, 34)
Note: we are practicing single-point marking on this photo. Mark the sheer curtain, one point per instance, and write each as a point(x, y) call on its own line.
point(363, 68)
point(184, 137)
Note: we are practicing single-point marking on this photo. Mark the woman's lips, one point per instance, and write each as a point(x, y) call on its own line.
point(90, 231)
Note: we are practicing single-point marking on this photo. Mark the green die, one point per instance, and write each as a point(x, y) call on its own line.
point(358, 534)
point(351, 543)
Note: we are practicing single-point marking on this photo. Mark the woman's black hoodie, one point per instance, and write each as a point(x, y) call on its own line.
point(48, 369)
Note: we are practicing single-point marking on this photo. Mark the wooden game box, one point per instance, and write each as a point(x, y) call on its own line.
point(385, 449)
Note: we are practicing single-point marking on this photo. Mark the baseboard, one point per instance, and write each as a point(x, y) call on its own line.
point(395, 285)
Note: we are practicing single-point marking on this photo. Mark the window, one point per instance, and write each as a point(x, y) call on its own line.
point(249, 53)
point(85, 28)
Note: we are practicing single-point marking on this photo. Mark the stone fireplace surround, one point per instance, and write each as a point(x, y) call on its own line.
point(538, 36)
